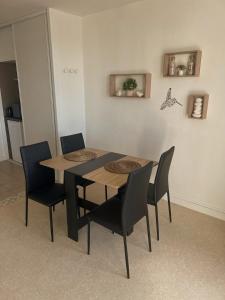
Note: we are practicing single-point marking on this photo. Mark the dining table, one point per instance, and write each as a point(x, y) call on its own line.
point(94, 171)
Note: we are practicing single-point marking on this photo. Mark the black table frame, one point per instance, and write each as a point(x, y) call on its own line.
point(72, 198)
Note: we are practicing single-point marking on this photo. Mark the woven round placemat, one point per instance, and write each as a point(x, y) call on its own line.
point(80, 155)
point(122, 166)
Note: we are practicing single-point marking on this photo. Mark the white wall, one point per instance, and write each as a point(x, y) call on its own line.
point(134, 38)
point(6, 44)
point(67, 53)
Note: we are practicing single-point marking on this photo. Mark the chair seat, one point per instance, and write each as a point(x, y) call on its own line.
point(151, 196)
point(49, 195)
point(82, 181)
point(109, 215)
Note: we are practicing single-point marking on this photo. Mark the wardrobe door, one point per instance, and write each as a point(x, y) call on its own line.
point(6, 54)
point(34, 74)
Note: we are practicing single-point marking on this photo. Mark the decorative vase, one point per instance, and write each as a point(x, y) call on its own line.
point(119, 93)
point(180, 72)
point(190, 66)
point(139, 94)
point(130, 93)
point(197, 111)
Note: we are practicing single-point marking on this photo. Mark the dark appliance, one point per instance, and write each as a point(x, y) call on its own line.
point(16, 111)
point(9, 112)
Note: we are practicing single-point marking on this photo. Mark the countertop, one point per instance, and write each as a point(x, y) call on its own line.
point(13, 119)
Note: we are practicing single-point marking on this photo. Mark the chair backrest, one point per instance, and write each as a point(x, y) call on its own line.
point(72, 143)
point(36, 176)
point(161, 184)
point(135, 196)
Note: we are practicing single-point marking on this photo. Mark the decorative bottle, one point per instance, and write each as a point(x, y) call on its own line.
point(172, 66)
point(190, 66)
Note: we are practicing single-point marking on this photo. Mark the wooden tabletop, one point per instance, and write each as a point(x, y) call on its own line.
point(113, 180)
point(59, 163)
point(99, 175)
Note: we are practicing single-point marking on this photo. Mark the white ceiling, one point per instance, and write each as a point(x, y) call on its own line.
point(13, 9)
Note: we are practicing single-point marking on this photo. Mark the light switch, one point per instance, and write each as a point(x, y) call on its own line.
point(70, 70)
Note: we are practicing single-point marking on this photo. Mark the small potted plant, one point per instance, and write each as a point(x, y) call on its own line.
point(129, 86)
point(181, 69)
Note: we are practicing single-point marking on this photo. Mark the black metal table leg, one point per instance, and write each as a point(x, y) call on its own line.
point(71, 206)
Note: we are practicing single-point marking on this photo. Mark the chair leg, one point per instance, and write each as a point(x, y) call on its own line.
point(84, 197)
point(126, 255)
point(169, 206)
point(63, 202)
point(51, 224)
point(26, 211)
point(53, 207)
point(78, 211)
point(88, 237)
point(106, 193)
point(148, 231)
point(157, 220)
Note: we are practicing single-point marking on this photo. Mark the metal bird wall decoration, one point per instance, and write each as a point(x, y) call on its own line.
point(169, 101)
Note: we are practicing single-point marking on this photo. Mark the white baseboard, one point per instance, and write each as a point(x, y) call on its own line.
point(15, 162)
point(213, 212)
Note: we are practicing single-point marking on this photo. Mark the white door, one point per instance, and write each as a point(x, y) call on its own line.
point(16, 139)
point(3, 140)
point(34, 74)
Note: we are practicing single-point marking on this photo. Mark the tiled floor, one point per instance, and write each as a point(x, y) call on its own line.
point(188, 263)
point(11, 179)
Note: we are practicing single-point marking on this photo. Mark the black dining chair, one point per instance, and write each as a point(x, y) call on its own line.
point(120, 213)
point(40, 181)
point(160, 187)
point(71, 143)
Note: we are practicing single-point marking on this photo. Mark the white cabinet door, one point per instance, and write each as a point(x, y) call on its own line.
point(34, 74)
point(16, 138)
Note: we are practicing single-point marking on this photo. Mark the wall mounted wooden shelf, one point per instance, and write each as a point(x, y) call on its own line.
point(143, 85)
point(181, 58)
point(192, 103)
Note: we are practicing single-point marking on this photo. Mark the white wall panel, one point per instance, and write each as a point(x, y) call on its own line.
point(32, 56)
point(67, 61)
